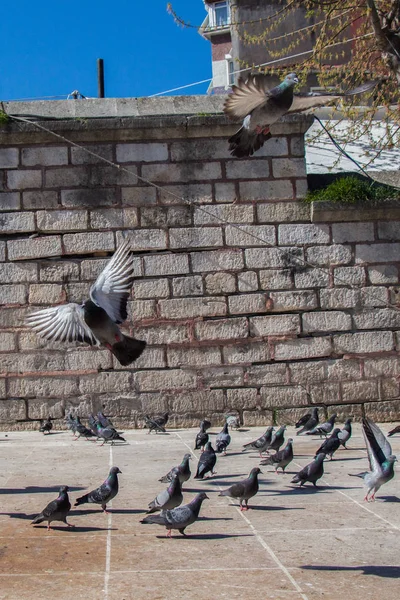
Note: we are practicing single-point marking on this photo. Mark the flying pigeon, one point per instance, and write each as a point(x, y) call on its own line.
point(345, 434)
point(303, 420)
point(278, 439)
point(46, 425)
point(395, 430)
point(95, 321)
point(324, 428)
point(311, 423)
point(206, 462)
point(222, 440)
point(244, 490)
point(57, 510)
point(260, 107)
point(169, 498)
point(330, 445)
point(311, 472)
point(182, 470)
point(152, 425)
point(282, 458)
point(178, 518)
point(233, 421)
point(103, 494)
point(381, 459)
point(201, 438)
point(262, 443)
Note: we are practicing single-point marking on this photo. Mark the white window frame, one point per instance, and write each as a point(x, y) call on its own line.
point(213, 13)
point(229, 75)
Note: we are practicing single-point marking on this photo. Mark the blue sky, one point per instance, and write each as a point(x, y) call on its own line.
point(49, 48)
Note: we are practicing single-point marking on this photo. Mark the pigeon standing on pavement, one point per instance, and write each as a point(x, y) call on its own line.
point(46, 425)
point(311, 423)
point(282, 458)
point(169, 498)
point(303, 420)
point(261, 443)
point(109, 434)
point(178, 518)
point(311, 472)
point(96, 320)
point(222, 440)
point(206, 462)
point(345, 434)
point(325, 428)
point(244, 490)
point(381, 459)
point(278, 439)
point(330, 445)
point(201, 438)
point(81, 430)
point(57, 510)
point(152, 425)
point(104, 493)
point(182, 471)
point(233, 421)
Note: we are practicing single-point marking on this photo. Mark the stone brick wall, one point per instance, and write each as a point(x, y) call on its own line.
point(248, 302)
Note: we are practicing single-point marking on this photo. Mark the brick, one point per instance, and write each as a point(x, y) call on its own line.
point(91, 269)
point(225, 192)
point(352, 232)
point(301, 188)
point(59, 272)
point(78, 292)
point(105, 382)
point(275, 325)
point(14, 273)
point(153, 288)
point(222, 377)
point(43, 408)
point(237, 399)
point(360, 343)
point(307, 372)
point(389, 388)
point(213, 215)
point(67, 177)
point(10, 201)
point(165, 216)
point(182, 308)
point(91, 358)
point(289, 167)
point(9, 158)
point(220, 260)
point(79, 156)
point(379, 412)
point(173, 379)
point(374, 296)
point(46, 294)
point(200, 402)
point(220, 283)
point(191, 171)
point(303, 348)
point(303, 234)
point(194, 357)
point(163, 334)
point(283, 396)
point(138, 196)
point(40, 247)
point(278, 212)
point(187, 286)
point(247, 303)
point(29, 340)
point(3, 395)
point(86, 198)
point(29, 363)
point(339, 298)
point(222, 329)
point(42, 156)
point(389, 230)
point(383, 318)
point(186, 193)
point(112, 218)
point(383, 274)
point(274, 279)
point(248, 281)
point(325, 393)
point(7, 342)
point(17, 222)
point(153, 358)
point(344, 411)
point(329, 255)
point(62, 220)
point(10, 410)
point(377, 366)
point(139, 310)
point(83, 243)
point(273, 257)
point(380, 253)
point(250, 235)
point(195, 237)
point(343, 368)
point(349, 276)
point(311, 278)
point(298, 300)
point(260, 418)
point(266, 190)
point(359, 391)
point(247, 354)
point(40, 199)
point(247, 169)
point(43, 387)
point(150, 152)
point(200, 149)
point(24, 179)
point(3, 247)
point(266, 374)
point(326, 321)
point(297, 147)
point(12, 294)
point(166, 264)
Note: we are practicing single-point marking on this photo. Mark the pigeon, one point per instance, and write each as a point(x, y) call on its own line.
point(303, 420)
point(345, 434)
point(103, 494)
point(282, 458)
point(206, 424)
point(82, 430)
point(56, 510)
point(169, 498)
point(71, 423)
point(381, 459)
point(206, 462)
point(46, 425)
point(260, 107)
point(278, 439)
point(395, 430)
point(103, 420)
point(182, 470)
point(324, 428)
point(178, 518)
point(262, 443)
point(233, 421)
point(311, 472)
point(92, 422)
point(95, 321)
point(311, 423)
point(152, 425)
point(162, 420)
point(244, 490)
point(201, 438)
point(222, 440)
point(108, 434)
point(330, 445)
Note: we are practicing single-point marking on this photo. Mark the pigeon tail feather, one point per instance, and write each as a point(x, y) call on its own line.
point(128, 350)
point(245, 142)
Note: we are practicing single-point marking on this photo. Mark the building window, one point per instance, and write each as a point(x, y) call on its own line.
point(231, 72)
point(219, 14)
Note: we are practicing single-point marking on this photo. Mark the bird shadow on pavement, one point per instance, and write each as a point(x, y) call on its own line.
point(389, 498)
point(113, 511)
point(19, 515)
point(213, 479)
point(33, 489)
point(376, 570)
point(207, 536)
point(76, 528)
point(310, 489)
point(272, 508)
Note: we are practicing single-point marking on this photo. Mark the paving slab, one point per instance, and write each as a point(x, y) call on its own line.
point(293, 544)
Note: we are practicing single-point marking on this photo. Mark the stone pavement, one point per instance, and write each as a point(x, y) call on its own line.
point(293, 544)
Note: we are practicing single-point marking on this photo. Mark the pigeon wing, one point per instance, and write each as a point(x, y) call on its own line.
point(50, 509)
point(63, 323)
point(245, 97)
point(100, 494)
point(112, 287)
point(237, 489)
point(378, 447)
